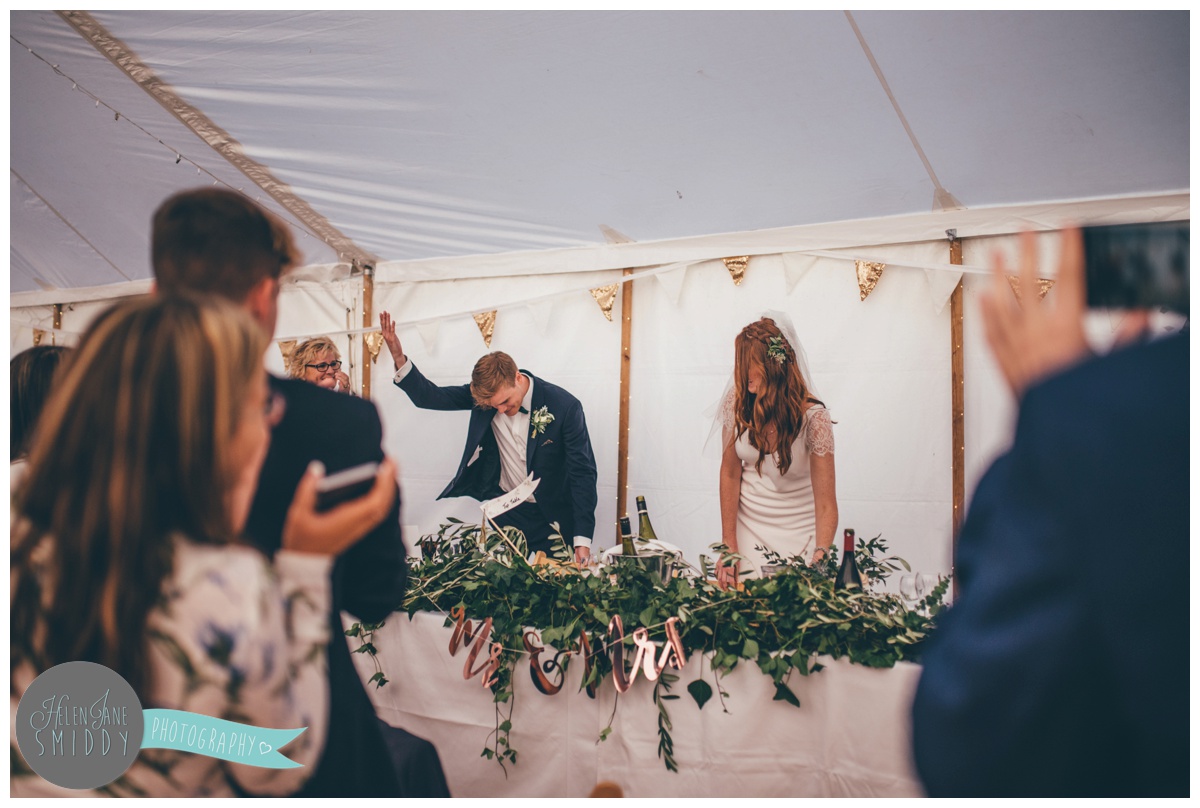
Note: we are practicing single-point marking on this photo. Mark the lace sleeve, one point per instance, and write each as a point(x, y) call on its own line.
point(726, 414)
point(818, 432)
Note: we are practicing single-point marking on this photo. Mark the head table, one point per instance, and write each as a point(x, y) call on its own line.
point(849, 737)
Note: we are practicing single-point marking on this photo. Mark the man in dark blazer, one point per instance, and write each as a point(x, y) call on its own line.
point(218, 242)
point(1062, 667)
point(519, 424)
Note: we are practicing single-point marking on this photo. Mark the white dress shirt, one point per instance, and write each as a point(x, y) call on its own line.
point(512, 438)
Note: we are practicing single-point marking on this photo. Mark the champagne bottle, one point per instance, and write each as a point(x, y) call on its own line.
point(645, 529)
point(848, 577)
point(627, 538)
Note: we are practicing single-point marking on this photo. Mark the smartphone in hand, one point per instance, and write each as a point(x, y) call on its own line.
point(1138, 266)
point(343, 486)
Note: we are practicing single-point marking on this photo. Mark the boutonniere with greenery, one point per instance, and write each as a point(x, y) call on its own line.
point(538, 421)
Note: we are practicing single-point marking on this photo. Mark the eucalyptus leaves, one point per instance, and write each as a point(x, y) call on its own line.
point(778, 624)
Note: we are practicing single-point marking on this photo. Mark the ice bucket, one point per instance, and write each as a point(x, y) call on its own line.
point(661, 566)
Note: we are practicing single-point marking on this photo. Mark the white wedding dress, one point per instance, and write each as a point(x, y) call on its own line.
point(778, 511)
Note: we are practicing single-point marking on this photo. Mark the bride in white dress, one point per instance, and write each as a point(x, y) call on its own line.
point(777, 473)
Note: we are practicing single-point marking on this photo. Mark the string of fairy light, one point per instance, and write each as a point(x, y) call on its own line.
point(180, 157)
point(201, 170)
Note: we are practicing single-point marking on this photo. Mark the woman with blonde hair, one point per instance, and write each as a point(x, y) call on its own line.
point(317, 360)
point(126, 552)
point(777, 474)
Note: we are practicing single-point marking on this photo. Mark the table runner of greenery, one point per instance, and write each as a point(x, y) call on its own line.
point(780, 624)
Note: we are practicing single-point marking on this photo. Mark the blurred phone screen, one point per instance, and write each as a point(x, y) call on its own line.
point(1138, 265)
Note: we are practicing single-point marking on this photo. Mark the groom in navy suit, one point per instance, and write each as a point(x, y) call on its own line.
point(519, 424)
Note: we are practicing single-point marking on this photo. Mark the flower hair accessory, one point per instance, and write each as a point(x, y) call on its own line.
point(775, 349)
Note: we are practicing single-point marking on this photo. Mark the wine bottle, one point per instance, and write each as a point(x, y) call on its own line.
point(627, 538)
point(645, 529)
point(848, 577)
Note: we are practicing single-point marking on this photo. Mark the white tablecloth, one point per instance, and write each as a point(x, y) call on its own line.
point(849, 737)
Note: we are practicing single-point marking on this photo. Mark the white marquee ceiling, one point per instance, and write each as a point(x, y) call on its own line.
point(429, 135)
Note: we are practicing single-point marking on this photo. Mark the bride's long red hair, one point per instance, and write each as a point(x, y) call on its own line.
point(780, 399)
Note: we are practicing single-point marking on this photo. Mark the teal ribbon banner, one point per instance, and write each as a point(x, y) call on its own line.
point(218, 738)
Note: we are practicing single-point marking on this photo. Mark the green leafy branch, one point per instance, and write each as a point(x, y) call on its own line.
point(780, 623)
point(662, 694)
point(365, 633)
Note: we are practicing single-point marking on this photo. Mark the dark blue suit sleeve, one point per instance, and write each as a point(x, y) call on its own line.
point(369, 578)
point(990, 709)
point(341, 431)
point(428, 396)
point(581, 471)
point(1062, 667)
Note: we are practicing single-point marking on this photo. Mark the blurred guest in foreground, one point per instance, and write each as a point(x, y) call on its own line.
point(217, 241)
point(126, 552)
point(29, 375)
point(1062, 667)
point(317, 361)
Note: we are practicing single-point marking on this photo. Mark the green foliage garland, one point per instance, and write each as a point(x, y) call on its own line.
point(779, 623)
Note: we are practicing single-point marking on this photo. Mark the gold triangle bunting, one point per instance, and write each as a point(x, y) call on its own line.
point(605, 297)
point(286, 348)
point(374, 341)
point(486, 321)
point(869, 273)
point(737, 267)
point(1044, 286)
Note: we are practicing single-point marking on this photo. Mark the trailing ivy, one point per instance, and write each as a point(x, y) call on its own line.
point(779, 624)
point(365, 633)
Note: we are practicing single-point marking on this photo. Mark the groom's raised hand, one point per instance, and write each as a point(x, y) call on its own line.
point(388, 327)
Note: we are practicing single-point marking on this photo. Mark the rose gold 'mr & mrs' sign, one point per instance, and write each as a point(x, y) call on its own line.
point(646, 658)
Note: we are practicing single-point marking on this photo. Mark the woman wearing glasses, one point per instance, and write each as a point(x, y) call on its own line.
point(317, 360)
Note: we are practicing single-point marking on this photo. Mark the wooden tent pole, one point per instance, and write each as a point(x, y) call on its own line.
point(57, 323)
point(368, 282)
point(623, 417)
point(957, 403)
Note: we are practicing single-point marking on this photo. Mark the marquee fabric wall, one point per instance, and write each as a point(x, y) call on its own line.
point(882, 365)
point(474, 158)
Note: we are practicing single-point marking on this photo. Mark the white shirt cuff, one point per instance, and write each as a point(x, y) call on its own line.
point(403, 371)
point(582, 541)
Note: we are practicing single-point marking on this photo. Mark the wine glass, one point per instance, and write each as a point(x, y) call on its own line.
point(929, 582)
point(908, 588)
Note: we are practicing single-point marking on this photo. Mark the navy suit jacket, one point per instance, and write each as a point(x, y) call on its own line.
point(561, 457)
point(368, 579)
point(1062, 668)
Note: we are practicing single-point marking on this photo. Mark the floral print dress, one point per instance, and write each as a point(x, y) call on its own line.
point(234, 637)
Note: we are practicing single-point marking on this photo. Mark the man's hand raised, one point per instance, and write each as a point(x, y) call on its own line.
point(388, 327)
point(1034, 339)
